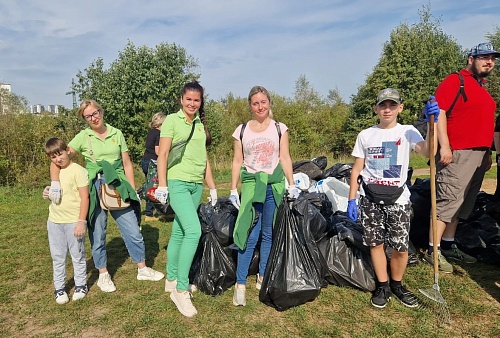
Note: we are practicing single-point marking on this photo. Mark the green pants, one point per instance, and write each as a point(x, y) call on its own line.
point(186, 230)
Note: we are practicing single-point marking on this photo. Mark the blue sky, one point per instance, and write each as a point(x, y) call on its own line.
point(238, 44)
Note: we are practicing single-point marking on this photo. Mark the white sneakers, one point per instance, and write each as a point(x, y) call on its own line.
point(258, 283)
point(61, 296)
point(149, 274)
point(183, 302)
point(239, 298)
point(80, 292)
point(171, 286)
point(105, 283)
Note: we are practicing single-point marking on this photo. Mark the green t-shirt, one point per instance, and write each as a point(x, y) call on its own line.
point(191, 168)
point(110, 149)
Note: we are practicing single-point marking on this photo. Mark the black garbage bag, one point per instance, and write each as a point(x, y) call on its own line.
point(347, 230)
point(320, 161)
point(421, 212)
point(291, 278)
point(219, 219)
point(309, 168)
point(348, 265)
point(307, 211)
point(212, 270)
point(340, 171)
point(480, 237)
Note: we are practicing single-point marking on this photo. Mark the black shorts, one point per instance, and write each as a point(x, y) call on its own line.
point(385, 224)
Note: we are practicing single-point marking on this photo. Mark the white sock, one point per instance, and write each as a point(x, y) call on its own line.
point(142, 269)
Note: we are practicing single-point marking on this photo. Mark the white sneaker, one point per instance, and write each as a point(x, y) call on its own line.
point(258, 283)
point(183, 302)
point(80, 292)
point(171, 286)
point(149, 274)
point(61, 296)
point(105, 283)
point(239, 298)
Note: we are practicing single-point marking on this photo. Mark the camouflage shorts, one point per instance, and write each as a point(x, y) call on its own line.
point(385, 224)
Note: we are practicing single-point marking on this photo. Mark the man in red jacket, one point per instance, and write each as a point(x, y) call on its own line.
point(465, 137)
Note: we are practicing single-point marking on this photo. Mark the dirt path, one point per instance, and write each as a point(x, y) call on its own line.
point(489, 185)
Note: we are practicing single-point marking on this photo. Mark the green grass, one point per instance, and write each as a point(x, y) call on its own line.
point(142, 309)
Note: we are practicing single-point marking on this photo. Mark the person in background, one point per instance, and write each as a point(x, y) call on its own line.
point(151, 153)
point(67, 222)
point(111, 157)
point(382, 155)
point(465, 138)
point(496, 143)
point(262, 161)
point(184, 190)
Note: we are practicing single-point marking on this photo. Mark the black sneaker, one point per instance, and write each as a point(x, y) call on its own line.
point(381, 297)
point(405, 296)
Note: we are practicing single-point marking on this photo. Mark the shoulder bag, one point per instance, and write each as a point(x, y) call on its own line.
point(109, 197)
point(177, 150)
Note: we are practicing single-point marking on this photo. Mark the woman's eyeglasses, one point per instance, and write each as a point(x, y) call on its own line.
point(93, 115)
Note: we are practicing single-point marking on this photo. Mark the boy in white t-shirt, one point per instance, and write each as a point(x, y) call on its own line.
point(67, 223)
point(380, 170)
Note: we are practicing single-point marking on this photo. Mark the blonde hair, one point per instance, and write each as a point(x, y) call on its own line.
point(85, 104)
point(157, 120)
point(260, 89)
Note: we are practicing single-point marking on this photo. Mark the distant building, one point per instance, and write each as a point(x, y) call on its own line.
point(38, 109)
point(6, 86)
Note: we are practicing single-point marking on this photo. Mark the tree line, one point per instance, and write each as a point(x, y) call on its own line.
point(145, 80)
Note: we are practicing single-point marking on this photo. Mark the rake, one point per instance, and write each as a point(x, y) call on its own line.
point(434, 293)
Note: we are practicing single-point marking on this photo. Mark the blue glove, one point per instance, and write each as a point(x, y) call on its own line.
point(352, 210)
point(431, 108)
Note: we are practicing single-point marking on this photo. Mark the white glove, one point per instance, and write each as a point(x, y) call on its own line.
point(235, 198)
point(45, 193)
point(55, 192)
point(293, 191)
point(161, 194)
point(213, 197)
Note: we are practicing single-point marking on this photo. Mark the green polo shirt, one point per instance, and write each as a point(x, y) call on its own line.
point(110, 149)
point(191, 168)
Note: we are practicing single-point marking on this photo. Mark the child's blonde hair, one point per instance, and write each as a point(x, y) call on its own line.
point(157, 120)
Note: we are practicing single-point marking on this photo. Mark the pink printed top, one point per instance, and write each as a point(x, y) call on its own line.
point(261, 150)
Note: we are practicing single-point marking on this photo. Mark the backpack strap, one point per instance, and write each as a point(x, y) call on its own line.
point(243, 126)
point(461, 92)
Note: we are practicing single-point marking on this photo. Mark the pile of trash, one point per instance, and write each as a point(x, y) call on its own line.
point(315, 244)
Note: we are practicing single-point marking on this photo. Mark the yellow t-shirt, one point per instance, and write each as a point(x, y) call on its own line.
point(72, 177)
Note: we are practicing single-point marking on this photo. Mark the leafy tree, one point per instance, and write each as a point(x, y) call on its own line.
point(139, 83)
point(414, 60)
point(12, 103)
point(494, 77)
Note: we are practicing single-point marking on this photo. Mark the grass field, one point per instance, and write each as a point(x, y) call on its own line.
point(142, 309)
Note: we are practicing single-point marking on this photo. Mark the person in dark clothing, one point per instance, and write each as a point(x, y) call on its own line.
point(151, 153)
point(496, 144)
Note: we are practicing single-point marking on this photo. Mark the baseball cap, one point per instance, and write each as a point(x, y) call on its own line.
point(388, 94)
point(484, 48)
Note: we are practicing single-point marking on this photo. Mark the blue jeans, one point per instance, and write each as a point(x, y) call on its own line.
point(129, 229)
point(149, 206)
point(264, 226)
point(186, 230)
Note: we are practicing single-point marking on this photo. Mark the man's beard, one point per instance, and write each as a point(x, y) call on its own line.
point(480, 73)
